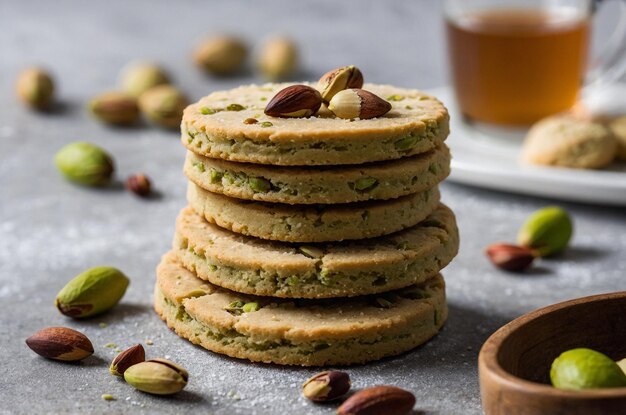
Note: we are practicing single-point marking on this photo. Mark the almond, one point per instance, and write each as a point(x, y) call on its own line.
point(358, 103)
point(294, 101)
point(60, 343)
point(510, 257)
point(378, 400)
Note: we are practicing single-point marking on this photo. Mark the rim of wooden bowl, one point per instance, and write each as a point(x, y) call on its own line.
point(488, 356)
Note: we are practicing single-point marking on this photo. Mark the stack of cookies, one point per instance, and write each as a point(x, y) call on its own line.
point(310, 241)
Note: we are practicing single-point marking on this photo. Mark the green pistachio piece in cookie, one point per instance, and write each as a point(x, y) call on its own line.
point(311, 251)
point(235, 107)
point(365, 183)
point(235, 308)
point(216, 176)
point(405, 143)
point(207, 111)
point(250, 307)
point(260, 185)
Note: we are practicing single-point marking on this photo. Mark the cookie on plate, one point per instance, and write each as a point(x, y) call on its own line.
point(567, 141)
point(231, 125)
point(313, 185)
point(298, 332)
point(313, 223)
point(343, 269)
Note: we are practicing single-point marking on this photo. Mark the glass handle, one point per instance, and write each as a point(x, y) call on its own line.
point(610, 64)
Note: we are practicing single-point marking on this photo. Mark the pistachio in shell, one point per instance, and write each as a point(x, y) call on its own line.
point(221, 55)
point(35, 88)
point(157, 376)
point(85, 163)
point(278, 59)
point(116, 108)
point(139, 77)
point(92, 292)
point(163, 105)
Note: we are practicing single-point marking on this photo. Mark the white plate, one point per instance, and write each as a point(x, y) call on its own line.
point(490, 159)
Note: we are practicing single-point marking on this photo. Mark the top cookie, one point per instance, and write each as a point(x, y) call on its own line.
point(214, 127)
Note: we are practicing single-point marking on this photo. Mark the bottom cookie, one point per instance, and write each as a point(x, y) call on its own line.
point(298, 332)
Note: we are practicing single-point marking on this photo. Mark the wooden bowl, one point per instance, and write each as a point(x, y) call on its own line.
point(514, 363)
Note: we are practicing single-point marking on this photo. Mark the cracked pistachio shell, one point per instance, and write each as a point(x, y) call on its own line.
point(85, 163)
point(157, 376)
point(547, 231)
point(92, 292)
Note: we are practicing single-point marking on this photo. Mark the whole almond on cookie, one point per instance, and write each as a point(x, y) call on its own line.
point(294, 101)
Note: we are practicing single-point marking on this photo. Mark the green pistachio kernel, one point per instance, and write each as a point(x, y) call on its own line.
point(235, 107)
point(433, 168)
point(365, 183)
point(85, 163)
point(408, 107)
point(92, 292)
point(405, 143)
point(199, 166)
point(311, 252)
point(292, 280)
point(207, 111)
point(260, 185)
point(216, 176)
point(250, 307)
point(235, 308)
point(395, 97)
point(265, 124)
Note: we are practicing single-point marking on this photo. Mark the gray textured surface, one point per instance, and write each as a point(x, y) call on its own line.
point(51, 230)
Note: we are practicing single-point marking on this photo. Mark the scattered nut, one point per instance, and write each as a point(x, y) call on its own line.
point(92, 292)
point(115, 108)
point(358, 103)
point(294, 101)
point(326, 386)
point(157, 376)
point(163, 105)
point(278, 59)
point(222, 55)
point(85, 163)
point(547, 231)
point(126, 359)
point(107, 397)
point(35, 88)
point(139, 184)
point(510, 257)
point(337, 80)
point(137, 78)
point(250, 121)
point(378, 400)
point(60, 343)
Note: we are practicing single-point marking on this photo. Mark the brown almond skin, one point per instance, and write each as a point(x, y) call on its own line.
point(378, 400)
point(60, 343)
point(126, 359)
point(139, 184)
point(294, 101)
point(326, 386)
point(372, 105)
point(510, 257)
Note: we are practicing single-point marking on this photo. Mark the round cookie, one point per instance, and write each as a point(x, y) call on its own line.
point(320, 185)
point(618, 126)
point(298, 332)
point(566, 141)
point(344, 269)
point(313, 223)
point(214, 127)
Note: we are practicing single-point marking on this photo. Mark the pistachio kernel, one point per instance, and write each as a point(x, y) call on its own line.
point(250, 121)
point(405, 143)
point(265, 124)
point(260, 185)
point(250, 307)
point(85, 164)
point(235, 107)
point(395, 97)
point(547, 231)
point(207, 111)
point(365, 183)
